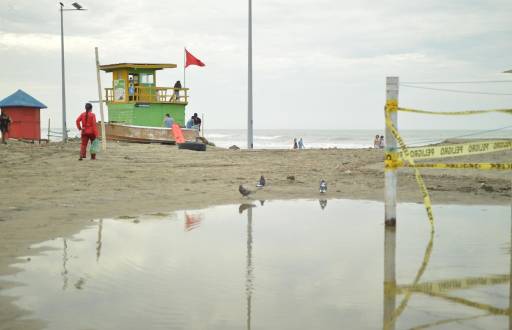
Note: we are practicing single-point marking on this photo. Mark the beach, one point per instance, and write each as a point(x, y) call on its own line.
point(47, 193)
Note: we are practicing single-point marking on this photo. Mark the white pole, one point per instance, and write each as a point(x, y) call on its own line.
point(392, 153)
point(249, 99)
point(202, 124)
point(64, 126)
point(389, 277)
point(184, 63)
point(100, 98)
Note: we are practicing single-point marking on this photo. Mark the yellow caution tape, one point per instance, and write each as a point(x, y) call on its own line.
point(455, 113)
point(459, 149)
point(477, 166)
point(406, 155)
point(455, 284)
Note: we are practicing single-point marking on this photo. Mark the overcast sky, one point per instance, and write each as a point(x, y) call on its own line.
point(317, 63)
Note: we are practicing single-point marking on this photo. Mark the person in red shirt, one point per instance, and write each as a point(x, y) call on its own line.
point(86, 124)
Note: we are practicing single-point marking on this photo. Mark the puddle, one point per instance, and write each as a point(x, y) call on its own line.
point(277, 265)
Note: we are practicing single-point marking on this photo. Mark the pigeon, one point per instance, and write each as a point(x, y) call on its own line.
point(323, 186)
point(245, 192)
point(261, 183)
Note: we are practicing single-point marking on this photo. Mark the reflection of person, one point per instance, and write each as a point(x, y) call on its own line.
point(376, 142)
point(5, 123)
point(323, 203)
point(177, 87)
point(168, 121)
point(86, 124)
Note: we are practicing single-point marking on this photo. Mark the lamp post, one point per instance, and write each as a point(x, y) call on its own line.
point(64, 126)
point(249, 83)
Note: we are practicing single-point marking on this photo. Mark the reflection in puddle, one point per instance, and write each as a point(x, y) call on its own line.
point(296, 267)
point(323, 203)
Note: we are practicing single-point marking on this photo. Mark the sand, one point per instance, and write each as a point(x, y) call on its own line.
point(47, 193)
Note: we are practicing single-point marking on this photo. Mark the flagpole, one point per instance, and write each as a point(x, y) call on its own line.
point(249, 83)
point(184, 63)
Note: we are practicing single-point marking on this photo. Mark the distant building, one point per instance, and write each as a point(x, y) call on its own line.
point(24, 111)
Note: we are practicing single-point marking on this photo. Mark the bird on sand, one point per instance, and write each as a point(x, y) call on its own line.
point(323, 186)
point(245, 192)
point(261, 183)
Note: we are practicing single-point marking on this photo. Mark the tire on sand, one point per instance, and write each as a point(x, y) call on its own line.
point(196, 146)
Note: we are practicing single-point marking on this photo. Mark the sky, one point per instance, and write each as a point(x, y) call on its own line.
point(317, 64)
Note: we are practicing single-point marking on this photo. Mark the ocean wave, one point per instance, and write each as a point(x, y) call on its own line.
point(262, 137)
point(218, 135)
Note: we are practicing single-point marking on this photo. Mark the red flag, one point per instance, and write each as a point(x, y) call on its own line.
point(192, 60)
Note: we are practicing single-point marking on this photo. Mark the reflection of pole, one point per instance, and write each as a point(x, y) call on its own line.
point(389, 277)
point(98, 242)
point(64, 265)
point(391, 152)
point(510, 284)
point(248, 284)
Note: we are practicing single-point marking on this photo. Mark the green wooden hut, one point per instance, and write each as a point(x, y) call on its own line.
point(135, 98)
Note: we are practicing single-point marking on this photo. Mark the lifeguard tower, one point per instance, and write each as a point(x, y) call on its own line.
point(135, 98)
point(137, 106)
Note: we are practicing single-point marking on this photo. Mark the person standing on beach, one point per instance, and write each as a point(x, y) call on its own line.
point(5, 123)
point(168, 121)
point(190, 123)
point(86, 124)
point(301, 144)
point(381, 142)
point(295, 146)
point(376, 142)
point(197, 121)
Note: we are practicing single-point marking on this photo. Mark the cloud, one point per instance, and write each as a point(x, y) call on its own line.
point(338, 51)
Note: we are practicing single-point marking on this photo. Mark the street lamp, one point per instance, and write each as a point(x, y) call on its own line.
point(64, 126)
point(249, 83)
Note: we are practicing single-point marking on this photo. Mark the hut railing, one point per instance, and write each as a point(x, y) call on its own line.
point(151, 94)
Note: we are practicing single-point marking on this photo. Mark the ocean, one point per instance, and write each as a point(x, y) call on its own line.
point(316, 139)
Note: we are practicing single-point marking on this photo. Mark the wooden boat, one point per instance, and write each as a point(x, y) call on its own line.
point(145, 134)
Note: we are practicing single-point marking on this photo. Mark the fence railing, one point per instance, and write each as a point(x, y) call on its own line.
point(149, 94)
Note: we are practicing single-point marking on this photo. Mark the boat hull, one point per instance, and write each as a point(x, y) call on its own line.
point(143, 134)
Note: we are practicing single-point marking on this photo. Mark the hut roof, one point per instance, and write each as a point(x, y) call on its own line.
point(21, 99)
point(155, 66)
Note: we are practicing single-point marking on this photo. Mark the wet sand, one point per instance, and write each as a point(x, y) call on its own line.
point(47, 193)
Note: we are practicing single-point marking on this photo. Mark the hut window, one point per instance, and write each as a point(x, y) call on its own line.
point(146, 78)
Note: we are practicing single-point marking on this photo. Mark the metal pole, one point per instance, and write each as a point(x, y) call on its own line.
point(391, 153)
point(64, 126)
point(202, 124)
point(249, 106)
point(100, 98)
point(389, 277)
point(184, 68)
